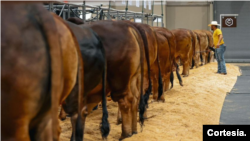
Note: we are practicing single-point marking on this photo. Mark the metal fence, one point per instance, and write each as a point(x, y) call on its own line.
point(95, 13)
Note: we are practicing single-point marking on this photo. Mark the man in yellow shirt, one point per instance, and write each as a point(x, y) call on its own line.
point(220, 48)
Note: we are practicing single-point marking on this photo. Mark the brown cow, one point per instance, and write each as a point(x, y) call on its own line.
point(93, 56)
point(31, 73)
point(210, 44)
point(196, 58)
point(167, 49)
point(125, 58)
point(152, 70)
point(124, 52)
point(203, 41)
point(184, 48)
point(70, 53)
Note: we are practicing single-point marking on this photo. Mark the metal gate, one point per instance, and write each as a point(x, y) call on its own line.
point(67, 10)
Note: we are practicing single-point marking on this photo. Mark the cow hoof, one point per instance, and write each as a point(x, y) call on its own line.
point(185, 75)
point(153, 101)
point(119, 122)
point(181, 84)
point(134, 132)
point(161, 100)
point(123, 137)
point(62, 119)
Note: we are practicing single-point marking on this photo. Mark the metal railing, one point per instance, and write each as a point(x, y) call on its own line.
point(67, 10)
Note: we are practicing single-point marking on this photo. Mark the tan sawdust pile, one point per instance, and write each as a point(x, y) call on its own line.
point(182, 115)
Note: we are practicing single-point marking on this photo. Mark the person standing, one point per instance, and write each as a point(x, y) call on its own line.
point(220, 48)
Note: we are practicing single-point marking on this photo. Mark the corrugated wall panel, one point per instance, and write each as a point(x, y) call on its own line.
point(237, 39)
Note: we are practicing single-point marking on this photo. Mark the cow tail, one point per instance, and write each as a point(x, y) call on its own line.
point(160, 88)
point(201, 57)
point(142, 106)
point(172, 79)
point(200, 48)
point(193, 41)
point(192, 63)
point(104, 126)
point(148, 91)
point(171, 65)
point(208, 57)
point(176, 64)
point(193, 47)
point(178, 75)
point(160, 83)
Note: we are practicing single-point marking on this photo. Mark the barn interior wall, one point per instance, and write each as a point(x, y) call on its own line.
point(186, 16)
point(236, 39)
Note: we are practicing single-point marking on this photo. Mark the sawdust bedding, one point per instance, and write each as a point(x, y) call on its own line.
point(180, 117)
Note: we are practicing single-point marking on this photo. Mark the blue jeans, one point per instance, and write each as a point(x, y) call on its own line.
point(219, 52)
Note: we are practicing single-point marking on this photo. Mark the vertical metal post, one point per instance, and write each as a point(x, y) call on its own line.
point(64, 15)
point(83, 12)
point(142, 16)
point(153, 13)
point(214, 11)
point(62, 11)
point(162, 24)
point(117, 15)
point(97, 9)
point(147, 19)
point(134, 17)
point(162, 14)
point(68, 11)
point(51, 6)
point(126, 10)
point(157, 21)
point(109, 10)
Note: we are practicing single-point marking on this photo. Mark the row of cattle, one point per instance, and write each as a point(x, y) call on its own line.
point(47, 61)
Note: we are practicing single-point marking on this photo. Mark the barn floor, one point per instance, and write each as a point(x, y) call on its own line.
point(182, 115)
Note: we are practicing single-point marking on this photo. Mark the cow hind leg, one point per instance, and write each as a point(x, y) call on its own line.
point(197, 60)
point(43, 130)
point(167, 80)
point(119, 116)
point(125, 105)
point(62, 114)
point(186, 67)
point(136, 97)
point(155, 89)
point(73, 123)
